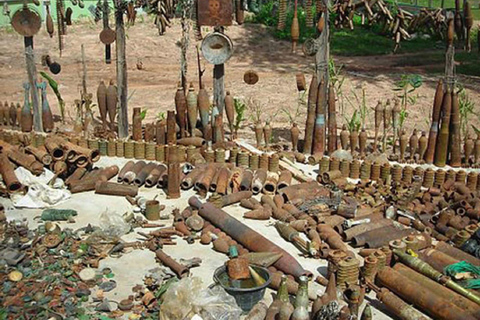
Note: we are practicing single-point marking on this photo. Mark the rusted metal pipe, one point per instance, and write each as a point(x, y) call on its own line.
point(310, 124)
point(235, 197)
point(115, 189)
point(40, 153)
point(8, 174)
point(154, 176)
point(130, 175)
point(379, 237)
point(247, 178)
point(432, 137)
point(319, 129)
point(249, 238)
point(27, 161)
point(142, 175)
point(284, 180)
point(173, 181)
point(421, 297)
point(398, 307)
point(259, 180)
point(441, 149)
point(180, 270)
point(126, 168)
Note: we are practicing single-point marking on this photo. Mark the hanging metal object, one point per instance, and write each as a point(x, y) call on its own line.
point(215, 13)
point(250, 77)
point(26, 22)
point(217, 48)
point(107, 36)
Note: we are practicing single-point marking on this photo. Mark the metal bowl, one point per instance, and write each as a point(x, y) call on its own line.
point(217, 48)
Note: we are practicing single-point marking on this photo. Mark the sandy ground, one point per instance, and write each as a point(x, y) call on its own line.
point(153, 88)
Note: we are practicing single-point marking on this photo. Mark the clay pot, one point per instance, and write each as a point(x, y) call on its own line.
point(294, 132)
point(137, 124)
point(102, 102)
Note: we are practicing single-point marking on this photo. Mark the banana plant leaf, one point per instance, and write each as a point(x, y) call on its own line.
point(54, 85)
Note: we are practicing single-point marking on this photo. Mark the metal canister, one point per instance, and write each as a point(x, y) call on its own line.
point(102, 147)
point(111, 148)
point(139, 150)
point(355, 169)
point(254, 161)
point(220, 155)
point(128, 149)
point(119, 147)
point(150, 151)
point(160, 153)
point(273, 163)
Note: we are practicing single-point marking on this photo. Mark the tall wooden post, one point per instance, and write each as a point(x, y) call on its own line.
point(122, 89)
point(32, 75)
point(108, 54)
point(219, 84)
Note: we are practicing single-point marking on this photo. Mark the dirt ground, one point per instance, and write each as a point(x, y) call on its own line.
point(153, 88)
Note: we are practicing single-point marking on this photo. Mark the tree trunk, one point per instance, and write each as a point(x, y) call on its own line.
point(32, 79)
point(122, 89)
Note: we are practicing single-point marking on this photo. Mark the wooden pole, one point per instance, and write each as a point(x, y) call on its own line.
point(108, 48)
point(122, 89)
point(219, 86)
point(32, 76)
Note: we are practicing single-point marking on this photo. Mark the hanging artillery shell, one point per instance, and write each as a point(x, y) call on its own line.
point(353, 141)
point(137, 124)
point(230, 111)
point(295, 30)
point(344, 137)
point(319, 129)
point(403, 145)
point(160, 132)
point(362, 138)
point(294, 134)
point(441, 149)
point(332, 120)
point(171, 128)
point(259, 134)
point(49, 22)
point(310, 123)
point(112, 103)
point(192, 110)
point(102, 102)
point(203, 106)
point(454, 141)
point(433, 134)
point(13, 115)
point(181, 110)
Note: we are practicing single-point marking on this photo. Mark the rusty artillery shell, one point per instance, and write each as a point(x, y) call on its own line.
point(112, 103)
point(355, 169)
point(379, 114)
point(349, 234)
point(149, 134)
point(365, 170)
point(230, 111)
point(370, 267)
point(294, 135)
point(353, 141)
point(8, 174)
point(270, 186)
point(310, 123)
point(235, 197)
point(437, 259)
point(247, 237)
point(52, 145)
point(422, 145)
point(259, 214)
point(253, 161)
point(407, 174)
point(40, 154)
point(332, 120)
point(438, 289)
point(284, 180)
point(451, 174)
point(421, 297)
point(247, 178)
point(455, 138)
point(111, 148)
point(267, 133)
point(345, 168)
point(115, 189)
point(222, 182)
point(324, 165)
point(209, 155)
point(273, 163)
point(472, 180)
point(171, 128)
point(362, 139)
point(403, 145)
point(192, 141)
point(243, 159)
point(328, 177)
point(233, 155)
point(264, 159)
point(315, 158)
point(347, 272)
point(385, 171)
point(129, 175)
point(259, 179)
point(432, 138)
point(461, 176)
point(180, 270)
point(154, 175)
point(19, 115)
point(331, 237)
point(181, 110)
point(468, 149)
point(375, 171)
point(456, 253)
point(192, 177)
point(102, 102)
point(143, 174)
point(218, 134)
point(441, 149)
point(344, 137)
point(399, 307)
point(76, 176)
point(413, 144)
point(476, 150)
point(27, 161)
point(203, 184)
point(160, 132)
point(379, 237)
point(3, 112)
point(258, 134)
point(203, 106)
point(428, 178)
point(126, 168)
point(150, 151)
point(139, 150)
point(13, 115)
point(173, 182)
point(192, 110)
point(320, 126)
point(89, 180)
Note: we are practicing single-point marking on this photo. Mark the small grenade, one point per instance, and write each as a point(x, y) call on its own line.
point(363, 142)
point(295, 30)
point(295, 133)
point(258, 134)
point(49, 22)
point(476, 150)
point(403, 145)
point(192, 110)
point(237, 267)
point(102, 102)
point(137, 125)
point(27, 117)
point(344, 136)
point(353, 140)
point(230, 110)
point(413, 143)
point(267, 133)
point(422, 145)
point(13, 115)
point(112, 103)
point(468, 148)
